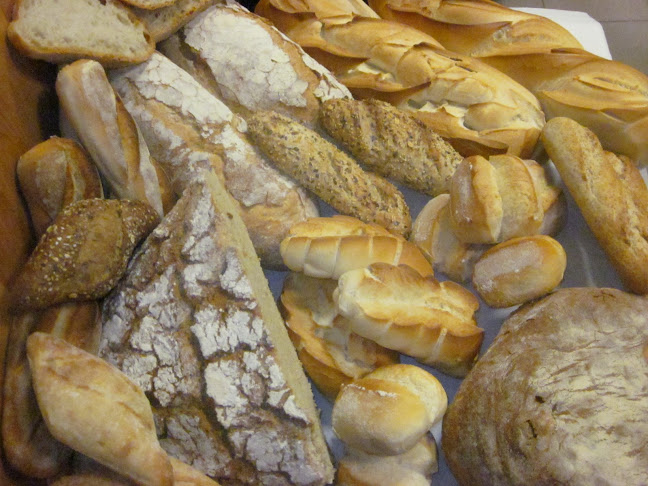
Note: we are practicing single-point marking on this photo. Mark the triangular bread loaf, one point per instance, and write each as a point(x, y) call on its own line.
point(195, 325)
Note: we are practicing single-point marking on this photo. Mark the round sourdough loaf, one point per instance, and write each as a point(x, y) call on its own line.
point(561, 397)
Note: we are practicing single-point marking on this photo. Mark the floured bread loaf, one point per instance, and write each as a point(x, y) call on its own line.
point(194, 324)
point(560, 397)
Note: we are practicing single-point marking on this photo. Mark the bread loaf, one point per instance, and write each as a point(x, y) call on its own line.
point(473, 106)
point(399, 309)
point(93, 408)
point(608, 97)
point(188, 131)
point(329, 247)
point(257, 69)
point(329, 172)
point(559, 397)
point(194, 324)
point(610, 193)
point(331, 354)
point(83, 254)
point(165, 21)
point(105, 31)
point(111, 136)
point(52, 175)
point(27, 443)
point(391, 142)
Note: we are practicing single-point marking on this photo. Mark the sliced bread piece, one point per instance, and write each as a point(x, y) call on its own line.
point(166, 21)
point(66, 30)
point(195, 325)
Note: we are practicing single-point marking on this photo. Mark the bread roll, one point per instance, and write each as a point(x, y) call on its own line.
point(560, 397)
point(476, 108)
point(519, 270)
point(331, 354)
point(258, 69)
point(193, 322)
point(188, 131)
point(111, 136)
point(52, 175)
point(329, 172)
point(391, 142)
point(83, 254)
point(400, 309)
point(329, 247)
point(610, 193)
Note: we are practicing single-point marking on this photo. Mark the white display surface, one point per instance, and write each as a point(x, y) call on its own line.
point(587, 265)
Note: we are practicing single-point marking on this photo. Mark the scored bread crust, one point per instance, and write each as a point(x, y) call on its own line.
point(400, 309)
point(194, 324)
point(560, 397)
point(106, 51)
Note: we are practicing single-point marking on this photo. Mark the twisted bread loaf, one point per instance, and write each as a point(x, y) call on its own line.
point(608, 97)
point(475, 107)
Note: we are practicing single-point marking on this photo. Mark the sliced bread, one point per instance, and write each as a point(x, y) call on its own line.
point(61, 31)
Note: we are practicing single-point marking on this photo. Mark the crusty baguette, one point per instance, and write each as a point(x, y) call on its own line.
point(95, 409)
point(229, 394)
point(329, 172)
point(400, 309)
point(52, 175)
point(188, 130)
point(392, 142)
point(27, 443)
point(329, 247)
point(331, 354)
point(610, 193)
point(476, 108)
point(257, 69)
point(105, 31)
point(163, 22)
point(83, 254)
point(111, 136)
point(479, 28)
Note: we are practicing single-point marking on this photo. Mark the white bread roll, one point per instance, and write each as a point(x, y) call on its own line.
point(399, 309)
point(476, 108)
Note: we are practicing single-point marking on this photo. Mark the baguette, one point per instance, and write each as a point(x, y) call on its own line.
point(392, 142)
point(111, 136)
point(400, 309)
point(610, 193)
point(195, 325)
point(258, 69)
point(188, 131)
point(476, 108)
point(329, 247)
point(329, 172)
point(608, 97)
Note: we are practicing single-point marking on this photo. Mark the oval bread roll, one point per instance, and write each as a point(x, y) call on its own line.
point(519, 270)
point(328, 247)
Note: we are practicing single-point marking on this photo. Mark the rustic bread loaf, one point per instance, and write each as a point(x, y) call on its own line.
point(329, 172)
point(106, 31)
point(400, 309)
point(188, 131)
point(92, 407)
point(560, 397)
point(257, 69)
point(194, 324)
point(476, 108)
point(83, 253)
point(391, 142)
point(610, 193)
point(111, 136)
point(52, 175)
point(331, 354)
point(165, 21)
point(328, 247)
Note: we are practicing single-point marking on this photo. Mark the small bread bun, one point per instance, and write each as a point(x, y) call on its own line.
point(388, 411)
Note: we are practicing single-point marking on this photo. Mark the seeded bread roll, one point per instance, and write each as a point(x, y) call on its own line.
point(193, 322)
point(258, 69)
point(560, 397)
point(391, 142)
